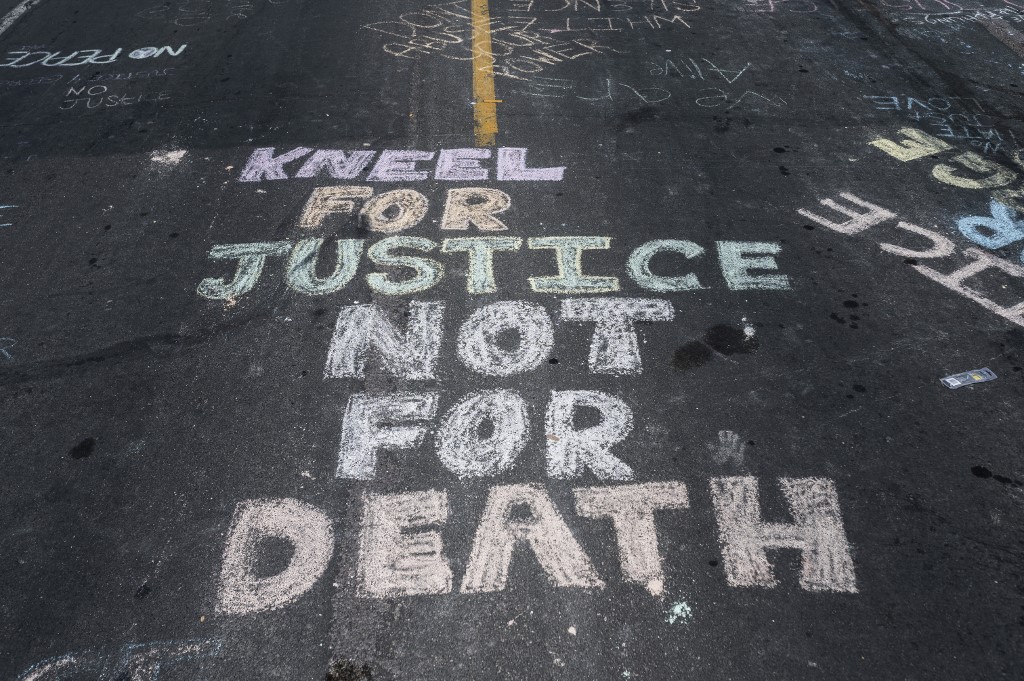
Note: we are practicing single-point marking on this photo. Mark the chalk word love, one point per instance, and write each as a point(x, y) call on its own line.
point(131, 662)
point(396, 165)
point(22, 59)
point(737, 260)
point(967, 170)
point(402, 553)
point(863, 216)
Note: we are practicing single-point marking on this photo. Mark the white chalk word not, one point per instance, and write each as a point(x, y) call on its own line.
point(364, 331)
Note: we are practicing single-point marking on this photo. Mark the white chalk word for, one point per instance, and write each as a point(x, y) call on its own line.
point(861, 216)
point(456, 165)
point(743, 265)
point(402, 552)
point(391, 422)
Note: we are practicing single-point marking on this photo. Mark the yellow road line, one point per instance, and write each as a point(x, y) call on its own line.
point(485, 110)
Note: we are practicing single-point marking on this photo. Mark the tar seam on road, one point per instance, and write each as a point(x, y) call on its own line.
point(15, 14)
point(485, 110)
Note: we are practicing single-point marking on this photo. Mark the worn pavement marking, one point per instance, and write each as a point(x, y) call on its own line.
point(485, 110)
point(1006, 34)
point(15, 14)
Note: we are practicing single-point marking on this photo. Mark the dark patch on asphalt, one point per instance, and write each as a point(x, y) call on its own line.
point(83, 448)
point(724, 339)
point(784, 170)
point(729, 340)
point(642, 115)
point(691, 355)
point(985, 473)
point(347, 670)
point(143, 591)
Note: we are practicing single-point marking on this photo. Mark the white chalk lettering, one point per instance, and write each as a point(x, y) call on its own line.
point(480, 250)
point(736, 265)
point(614, 348)
point(395, 211)
point(399, 166)
point(361, 328)
point(263, 165)
point(428, 272)
point(639, 266)
point(461, 164)
point(858, 222)
point(631, 509)
point(479, 338)
point(301, 266)
point(311, 536)
point(503, 529)
point(570, 450)
point(371, 425)
point(475, 206)
point(568, 257)
point(341, 165)
point(327, 201)
point(465, 452)
point(818, 533)
point(512, 166)
point(394, 561)
point(251, 259)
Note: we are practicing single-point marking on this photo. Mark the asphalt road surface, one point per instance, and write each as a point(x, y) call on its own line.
point(511, 339)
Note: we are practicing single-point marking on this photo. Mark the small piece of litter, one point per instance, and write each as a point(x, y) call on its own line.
point(969, 377)
point(572, 631)
point(679, 611)
point(168, 158)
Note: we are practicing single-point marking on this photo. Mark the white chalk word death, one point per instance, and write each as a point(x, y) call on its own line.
point(402, 552)
point(134, 661)
point(918, 243)
point(745, 265)
point(22, 59)
point(966, 170)
point(390, 165)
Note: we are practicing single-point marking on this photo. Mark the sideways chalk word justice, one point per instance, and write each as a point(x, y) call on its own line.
point(926, 244)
